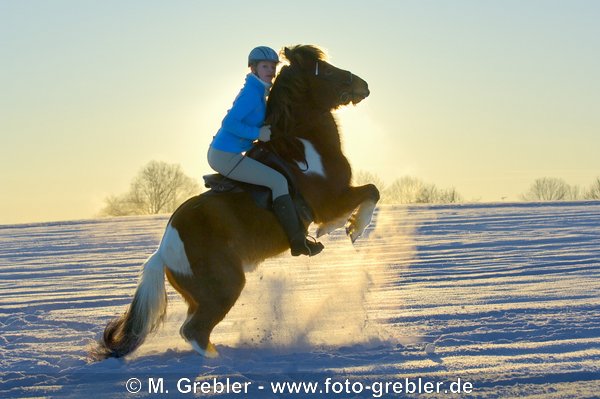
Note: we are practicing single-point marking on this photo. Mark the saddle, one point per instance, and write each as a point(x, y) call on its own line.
point(262, 196)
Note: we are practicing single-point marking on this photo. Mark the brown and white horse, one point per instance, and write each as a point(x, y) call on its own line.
point(211, 240)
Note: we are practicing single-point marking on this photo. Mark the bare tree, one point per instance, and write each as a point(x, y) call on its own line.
point(593, 192)
point(548, 189)
point(574, 193)
point(428, 194)
point(158, 187)
point(362, 177)
point(404, 190)
point(119, 205)
point(411, 190)
point(449, 196)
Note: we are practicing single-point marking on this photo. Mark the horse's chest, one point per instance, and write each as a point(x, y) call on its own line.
point(314, 162)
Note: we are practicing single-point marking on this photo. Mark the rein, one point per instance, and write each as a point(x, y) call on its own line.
point(300, 149)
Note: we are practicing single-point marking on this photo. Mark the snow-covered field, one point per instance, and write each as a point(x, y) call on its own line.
point(505, 297)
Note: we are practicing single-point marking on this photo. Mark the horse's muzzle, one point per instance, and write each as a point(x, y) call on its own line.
point(363, 92)
point(360, 89)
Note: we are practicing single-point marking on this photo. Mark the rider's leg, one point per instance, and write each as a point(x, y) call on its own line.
point(285, 210)
point(248, 170)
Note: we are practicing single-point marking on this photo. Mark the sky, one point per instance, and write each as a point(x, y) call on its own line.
point(483, 96)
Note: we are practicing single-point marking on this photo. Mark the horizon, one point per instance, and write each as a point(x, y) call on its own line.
point(482, 97)
point(519, 203)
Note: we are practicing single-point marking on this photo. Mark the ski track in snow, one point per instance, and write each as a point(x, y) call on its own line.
point(509, 294)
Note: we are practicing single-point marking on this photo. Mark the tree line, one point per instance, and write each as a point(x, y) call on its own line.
point(555, 189)
point(160, 187)
point(408, 190)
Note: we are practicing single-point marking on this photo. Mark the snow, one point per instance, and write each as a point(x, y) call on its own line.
point(503, 296)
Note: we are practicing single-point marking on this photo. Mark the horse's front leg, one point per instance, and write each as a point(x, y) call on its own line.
point(360, 218)
point(354, 210)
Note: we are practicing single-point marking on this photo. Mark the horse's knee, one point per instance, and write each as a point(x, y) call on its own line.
point(373, 192)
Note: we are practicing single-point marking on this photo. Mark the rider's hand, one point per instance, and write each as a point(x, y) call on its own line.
point(265, 133)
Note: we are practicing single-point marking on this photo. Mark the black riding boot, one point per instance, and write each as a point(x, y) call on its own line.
point(285, 211)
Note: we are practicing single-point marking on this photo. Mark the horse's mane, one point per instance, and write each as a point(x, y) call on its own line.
point(301, 53)
point(290, 87)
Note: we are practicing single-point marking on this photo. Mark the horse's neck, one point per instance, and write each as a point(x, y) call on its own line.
point(317, 126)
point(308, 128)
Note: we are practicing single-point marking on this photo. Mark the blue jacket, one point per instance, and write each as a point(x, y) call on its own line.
point(242, 123)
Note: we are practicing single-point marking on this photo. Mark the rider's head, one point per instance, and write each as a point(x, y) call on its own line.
point(263, 62)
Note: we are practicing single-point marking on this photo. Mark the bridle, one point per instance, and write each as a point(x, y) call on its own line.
point(344, 95)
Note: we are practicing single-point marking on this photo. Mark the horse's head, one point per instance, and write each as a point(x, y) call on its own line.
point(329, 86)
point(303, 96)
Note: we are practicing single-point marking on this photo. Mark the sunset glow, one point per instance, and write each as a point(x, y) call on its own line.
point(482, 96)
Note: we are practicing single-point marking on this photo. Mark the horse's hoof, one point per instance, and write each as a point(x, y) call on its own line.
point(360, 219)
point(210, 352)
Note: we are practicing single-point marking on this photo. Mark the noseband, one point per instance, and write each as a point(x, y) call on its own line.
point(344, 95)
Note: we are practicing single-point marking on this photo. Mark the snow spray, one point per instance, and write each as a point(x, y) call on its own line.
point(343, 296)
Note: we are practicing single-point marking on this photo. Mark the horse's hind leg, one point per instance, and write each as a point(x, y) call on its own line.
point(174, 281)
point(212, 291)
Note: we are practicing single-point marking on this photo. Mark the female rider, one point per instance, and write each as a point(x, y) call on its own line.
point(242, 125)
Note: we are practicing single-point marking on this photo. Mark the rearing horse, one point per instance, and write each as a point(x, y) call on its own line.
point(211, 240)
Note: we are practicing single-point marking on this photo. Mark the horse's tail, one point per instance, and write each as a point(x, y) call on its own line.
point(147, 310)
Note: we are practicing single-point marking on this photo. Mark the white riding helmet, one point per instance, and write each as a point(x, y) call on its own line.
point(262, 53)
